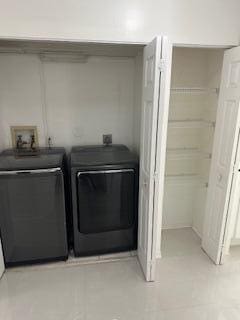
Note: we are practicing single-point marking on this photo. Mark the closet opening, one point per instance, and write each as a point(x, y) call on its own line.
point(73, 92)
point(195, 82)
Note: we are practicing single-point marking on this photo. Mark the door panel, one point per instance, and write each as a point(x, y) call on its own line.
point(156, 87)
point(234, 232)
point(223, 158)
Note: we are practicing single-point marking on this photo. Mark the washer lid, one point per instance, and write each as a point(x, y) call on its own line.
point(100, 148)
point(43, 159)
point(102, 155)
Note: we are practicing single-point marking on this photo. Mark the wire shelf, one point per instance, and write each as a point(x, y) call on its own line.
point(183, 178)
point(191, 90)
point(191, 123)
point(187, 153)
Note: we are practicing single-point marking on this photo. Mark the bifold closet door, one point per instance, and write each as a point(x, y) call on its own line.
point(2, 267)
point(223, 157)
point(155, 101)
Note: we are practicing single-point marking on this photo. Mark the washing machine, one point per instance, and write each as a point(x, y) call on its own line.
point(104, 182)
point(32, 206)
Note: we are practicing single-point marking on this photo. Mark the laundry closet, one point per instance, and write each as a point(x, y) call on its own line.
point(72, 97)
point(75, 94)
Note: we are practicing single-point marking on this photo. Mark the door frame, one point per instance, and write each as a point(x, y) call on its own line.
point(160, 199)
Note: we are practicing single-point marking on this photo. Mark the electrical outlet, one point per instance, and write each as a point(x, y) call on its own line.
point(107, 139)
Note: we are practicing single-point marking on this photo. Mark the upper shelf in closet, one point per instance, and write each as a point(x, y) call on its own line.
point(82, 48)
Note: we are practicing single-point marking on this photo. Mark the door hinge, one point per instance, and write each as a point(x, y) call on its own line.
point(155, 175)
point(223, 250)
point(235, 168)
point(152, 270)
point(150, 263)
point(161, 65)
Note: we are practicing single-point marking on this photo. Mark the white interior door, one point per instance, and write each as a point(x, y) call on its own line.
point(155, 104)
point(233, 220)
point(235, 210)
point(223, 158)
point(2, 267)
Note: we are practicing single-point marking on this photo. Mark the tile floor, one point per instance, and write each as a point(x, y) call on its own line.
point(188, 287)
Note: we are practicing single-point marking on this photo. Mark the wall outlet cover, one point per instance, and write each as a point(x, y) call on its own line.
point(107, 138)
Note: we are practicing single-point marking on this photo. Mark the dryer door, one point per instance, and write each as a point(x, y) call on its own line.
point(106, 200)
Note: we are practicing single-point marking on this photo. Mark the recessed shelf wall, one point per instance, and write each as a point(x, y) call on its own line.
point(194, 95)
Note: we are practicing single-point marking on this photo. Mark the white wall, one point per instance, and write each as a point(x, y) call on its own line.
point(20, 95)
point(137, 102)
point(84, 100)
point(205, 22)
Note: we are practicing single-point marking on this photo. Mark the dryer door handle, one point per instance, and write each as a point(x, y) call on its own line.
point(104, 171)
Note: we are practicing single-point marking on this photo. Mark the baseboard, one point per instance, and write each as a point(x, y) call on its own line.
point(197, 232)
point(235, 242)
point(185, 226)
point(159, 256)
point(173, 227)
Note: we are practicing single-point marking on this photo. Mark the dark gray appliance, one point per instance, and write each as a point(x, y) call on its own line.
point(32, 206)
point(104, 199)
